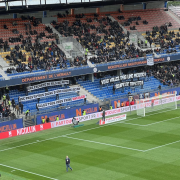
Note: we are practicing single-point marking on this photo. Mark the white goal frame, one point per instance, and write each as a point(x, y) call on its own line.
point(156, 103)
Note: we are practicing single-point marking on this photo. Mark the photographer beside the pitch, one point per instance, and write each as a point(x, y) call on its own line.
point(74, 121)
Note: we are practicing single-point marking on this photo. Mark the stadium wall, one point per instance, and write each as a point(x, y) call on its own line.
point(68, 113)
point(48, 20)
point(11, 125)
point(110, 8)
point(133, 7)
point(157, 4)
point(84, 10)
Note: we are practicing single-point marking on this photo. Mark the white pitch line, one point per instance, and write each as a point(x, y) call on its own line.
point(27, 172)
point(162, 146)
point(133, 124)
point(124, 121)
point(123, 147)
point(162, 121)
point(29, 143)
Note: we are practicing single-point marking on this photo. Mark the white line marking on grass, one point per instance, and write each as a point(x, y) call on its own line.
point(35, 142)
point(104, 143)
point(162, 121)
point(133, 124)
point(162, 146)
point(27, 172)
point(124, 121)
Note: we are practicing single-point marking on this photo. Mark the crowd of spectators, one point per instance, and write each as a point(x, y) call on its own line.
point(5, 106)
point(52, 57)
point(109, 43)
point(164, 38)
point(168, 74)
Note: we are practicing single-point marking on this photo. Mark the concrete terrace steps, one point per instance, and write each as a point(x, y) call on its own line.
point(90, 97)
point(154, 18)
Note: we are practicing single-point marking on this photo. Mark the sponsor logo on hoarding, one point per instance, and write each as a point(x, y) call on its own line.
point(10, 134)
point(113, 119)
point(41, 127)
point(26, 130)
point(8, 127)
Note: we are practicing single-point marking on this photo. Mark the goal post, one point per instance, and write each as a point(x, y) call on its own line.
point(156, 103)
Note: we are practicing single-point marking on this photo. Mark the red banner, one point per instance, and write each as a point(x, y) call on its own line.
point(27, 130)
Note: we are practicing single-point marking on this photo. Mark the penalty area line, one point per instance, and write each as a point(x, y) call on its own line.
point(162, 146)
point(27, 172)
point(106, 144)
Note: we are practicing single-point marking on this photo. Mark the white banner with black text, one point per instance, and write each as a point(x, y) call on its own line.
point(46, 84)
point(123, 77)
point(60, 101)
point(46, 94)
point(127, 84)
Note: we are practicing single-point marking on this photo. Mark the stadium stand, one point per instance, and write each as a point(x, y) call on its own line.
point(162, 76)
point(175, 10)
point(32, 48)
point(15, 94)
point(106, 91)
point(37, 58)
point(151, 18)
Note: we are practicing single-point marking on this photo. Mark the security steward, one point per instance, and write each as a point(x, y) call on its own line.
point(57, 118)
point(9, 103)
point(43, 120)
point(84, 112)
point(27, 112)
point(4, 99)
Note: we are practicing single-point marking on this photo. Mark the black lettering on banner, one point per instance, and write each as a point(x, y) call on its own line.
point(50, 93)
point(123, 77)
point(46, 84)
point(60, 101)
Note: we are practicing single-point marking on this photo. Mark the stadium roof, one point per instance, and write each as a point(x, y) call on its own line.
point(15, 6)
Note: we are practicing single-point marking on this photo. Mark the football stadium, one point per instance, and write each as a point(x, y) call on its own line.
point(89, 90)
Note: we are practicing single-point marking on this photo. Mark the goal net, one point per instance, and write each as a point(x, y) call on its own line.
point(156, 103)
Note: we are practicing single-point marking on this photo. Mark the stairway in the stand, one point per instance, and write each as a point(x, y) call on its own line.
point(28, 122)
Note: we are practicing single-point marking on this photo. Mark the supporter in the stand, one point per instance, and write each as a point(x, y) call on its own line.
point(13, 104)
point(118, 104)
point(21, 108)
point(132, 102)
point(122, 104)
point(47, 119)
point(127, 103)
point(17, 109)
point(100, 109)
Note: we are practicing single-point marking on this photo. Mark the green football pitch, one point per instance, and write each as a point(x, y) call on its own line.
point(137, 148)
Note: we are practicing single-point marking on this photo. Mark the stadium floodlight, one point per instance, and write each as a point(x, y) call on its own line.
point(156, 103)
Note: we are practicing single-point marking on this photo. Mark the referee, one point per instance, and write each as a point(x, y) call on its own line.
point(68, 164)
